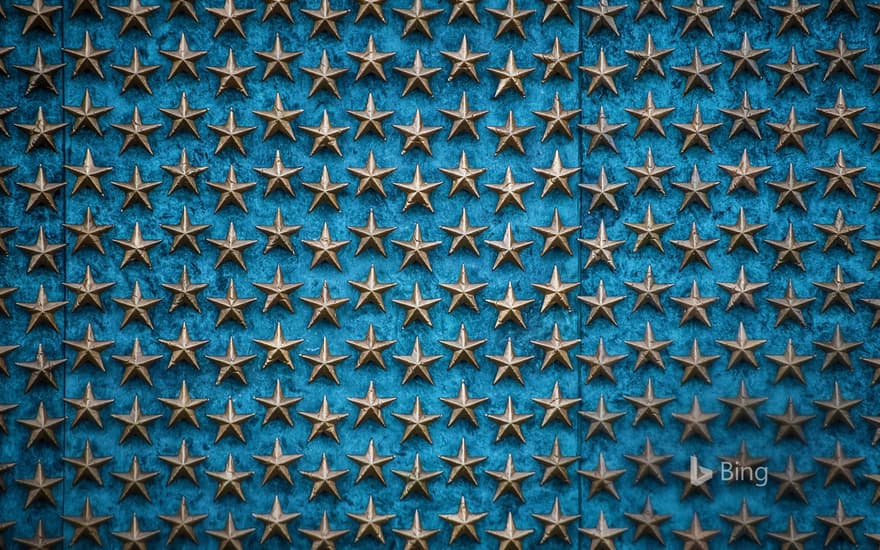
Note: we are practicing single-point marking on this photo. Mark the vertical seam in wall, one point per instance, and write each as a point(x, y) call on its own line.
point(67, 253)
point(581, 332)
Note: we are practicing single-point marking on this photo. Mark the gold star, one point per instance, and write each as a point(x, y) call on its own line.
point(463, 120)
point(276, 520)
point(463, 522)
point(185, 292)
point(183, 173)
point(324, 248)
point(602, 74)
point(416, 478)
point(370, 348)
point(416, 422)
point(556, 61)
point(40, 133)
point(370, 176)
point(510, 191)
point(324, 76)
point(370, 234)
point(185, 233)
point(136, 248)
point(509, 422)
point(371, 289)
point(41, 191)
point(370, 522)
point(229, 536)
point(88, 174)
point(788, 249)
point(742, 348)
point(510, 19)
point(87, 56)
point(370, 119)
point(324, 190)
point(650, 58)
point(41, 73)
point(694, 247)
point(277, 59)
point(324, 306)
point(324, 421)
point(840, 176)
point(697, 73)
point(463, 292)
point(136, 306)
point(324, 19)
point(792, 71)
point(555, 523)
point(229, 422)
point(325, 135)
point(649, 174)
point(324, 363)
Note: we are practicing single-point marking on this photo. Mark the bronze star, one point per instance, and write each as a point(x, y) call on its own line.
point(184, 117)
point(230, 365)
point(742, 348)
point(275, 522)
point(41, 132)
point(463, 120)
point(464, 234)
point(417, 134)
point(183, 59)
point(184, 233)
point(231, 134)
point(325, 135)
point(746, 57)
point(183, 407)
point(371, 235)
point(417, 307)
point(277, 405)
point(182, 523)
point(839, 176)
point(370, 348)
point(324, 306)
point(463, 522)
point(370, 118)
point(88, 174)
point(277, 58)
point(466, 8)
point(697, 73)
point(41, 73)
point(510, 19)
point(324, 76)
point(602, 15)
point(370, 176)
point(229, 422)
point(88, 350)
point(136, 247)
point(509, 307)
point(370, 8)
point(183, 173)
point(416, 18)
point(42, 428)
point(231, 248)
point(136, 132)
point(417, 75)
point(87, 57)
point(648, 522)
point(745, 117)
point(694, 306)
point(136, 73)
point(791, 538)
point(510, 422)
point(840, 116)
point(648, 405)
point(792, 71)
point(182, 349)
point(229, 536)
point(41, 310)
point(416, 478)
point(790, 190)
point(840, 58)
point(556, 61)
point(42, 252)
point(602, 74)
point(42, 369)
point(86, 523)
point(650, 57)
point(744, 174)
point(324, 421)
point(324, 19)
point(509, 480)
point(325, 249)
point(370, 522)
point(742, 233)
point(510, 134)
point(789, 363)
point(696, 536)
point(416, 536)
point(790, 423)
point(840, 524)
point(462, 464)
point(463, 292)
point(792, 15)
point(135, 480)
point(697, 16)
point(137, 363)
point(370, 463)
point(555, 523)
point(229, 17)
point(136, 422)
